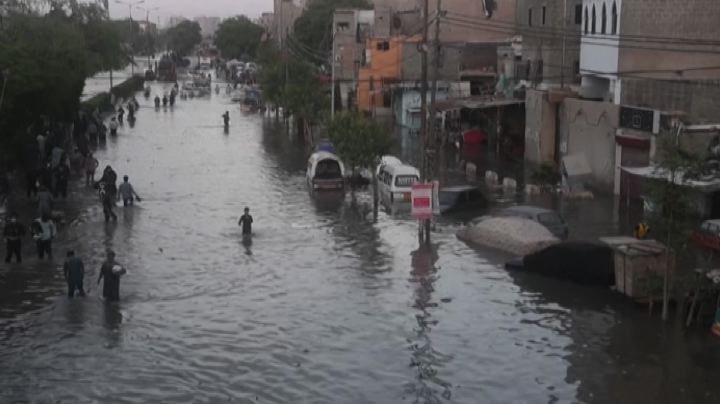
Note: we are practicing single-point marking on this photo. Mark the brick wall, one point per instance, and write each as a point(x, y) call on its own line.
point(544, 42)
point(700, 100)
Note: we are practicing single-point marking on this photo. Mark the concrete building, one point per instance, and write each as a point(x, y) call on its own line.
point(352, 29)
point(645, 66)
point(175, 21)
point(208, 25)
point(267, 21)
point(548, 40)
point(286, 12)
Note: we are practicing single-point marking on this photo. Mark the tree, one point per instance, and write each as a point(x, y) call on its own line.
point(672, 213)
point(45, 59)
point(305, 96)
point(313, 28)
point(360, 142)
point(183, 37)
point(238, 37)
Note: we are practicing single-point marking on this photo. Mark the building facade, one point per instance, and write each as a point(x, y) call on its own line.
point(208, 26)
point(548, 38)
point(286, 12)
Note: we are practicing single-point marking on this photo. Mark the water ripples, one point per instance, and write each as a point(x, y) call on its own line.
point(325, 305)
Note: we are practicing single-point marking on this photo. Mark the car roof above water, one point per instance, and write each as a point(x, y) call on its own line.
point(527, 209)
point(458, 188)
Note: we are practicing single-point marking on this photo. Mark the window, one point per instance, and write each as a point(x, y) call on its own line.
point(342, 26)
point(578, 14)
point(576, 68)
point(530, 17)
point(592, 23)
point(539, 70)
point(614, 21)
point(587, 20)
point(406, 180)
point(383, 45)
point(527, 70)
point(544, 13)
point(604, 20)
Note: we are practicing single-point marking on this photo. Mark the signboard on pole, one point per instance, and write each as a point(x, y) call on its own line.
point(422, 206)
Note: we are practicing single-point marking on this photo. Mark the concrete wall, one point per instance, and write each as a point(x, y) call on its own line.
point(588, 128)
point(689, 19)
point(539, 127)
point(544, 41)
point(412, 66)
point(383, 65)
point(700, 99)
point(409, 99)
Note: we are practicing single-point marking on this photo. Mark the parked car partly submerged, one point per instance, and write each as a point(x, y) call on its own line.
point(708, 234)
point(546, 217)
point(461, 198)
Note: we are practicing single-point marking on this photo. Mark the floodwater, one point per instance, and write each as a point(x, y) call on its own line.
point(325, 305)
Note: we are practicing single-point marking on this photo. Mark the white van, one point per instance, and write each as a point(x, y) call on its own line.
point(325, 172)
point(396, 181)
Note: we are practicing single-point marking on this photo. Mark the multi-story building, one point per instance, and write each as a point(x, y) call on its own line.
point(286, 12)
point(175, 20)
point(208, 26)
point(548, 41)
point(645, 66)
point(267, 21)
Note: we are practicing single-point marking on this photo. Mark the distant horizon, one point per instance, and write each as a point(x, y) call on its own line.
point(191, 9)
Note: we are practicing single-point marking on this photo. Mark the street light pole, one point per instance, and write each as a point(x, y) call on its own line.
point(130, 5)
point(332, 91)
point(147, 26)
point(564, 41)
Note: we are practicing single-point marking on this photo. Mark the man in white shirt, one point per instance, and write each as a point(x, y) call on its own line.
point(127, 192)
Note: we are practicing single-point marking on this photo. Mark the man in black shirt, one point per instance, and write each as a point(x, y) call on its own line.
point(246, 222)
point(13, 233)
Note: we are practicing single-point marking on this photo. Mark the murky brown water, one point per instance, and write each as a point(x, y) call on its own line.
point(325, 306)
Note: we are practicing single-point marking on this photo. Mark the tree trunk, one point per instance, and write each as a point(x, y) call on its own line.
point(666, 272)
point(375, 194)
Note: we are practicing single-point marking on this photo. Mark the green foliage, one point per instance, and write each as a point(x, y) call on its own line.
point(360, 142)
point(304, 95)
point(238, 37)
point(314, 27)
point(183, 37)
point(45, 59)
point(546, 175)
point(673, 211)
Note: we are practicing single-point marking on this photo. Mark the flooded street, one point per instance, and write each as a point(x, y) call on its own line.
point(324, 306)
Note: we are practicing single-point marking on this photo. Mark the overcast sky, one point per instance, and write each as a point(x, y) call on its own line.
point(193, 8)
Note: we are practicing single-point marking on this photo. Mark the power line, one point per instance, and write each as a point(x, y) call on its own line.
point(578, 33)
point(592, 41)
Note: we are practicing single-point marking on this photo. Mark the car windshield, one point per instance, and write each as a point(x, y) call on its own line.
point(550, 219)
point(328, 169)
point(447, 198)
point(406, 180)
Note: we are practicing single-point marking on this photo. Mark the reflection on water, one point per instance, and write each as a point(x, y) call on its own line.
point(325, 304)
point(429, 386)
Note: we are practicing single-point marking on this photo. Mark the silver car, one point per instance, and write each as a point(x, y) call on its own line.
point(548, 218)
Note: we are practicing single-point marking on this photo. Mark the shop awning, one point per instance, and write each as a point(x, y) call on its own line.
point(475, 103)
point(659, 173)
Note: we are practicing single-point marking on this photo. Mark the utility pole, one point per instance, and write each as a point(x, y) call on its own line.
point(130, 7)
point(332, 91)
point(425, 228)
point(564, 44)
point(433, 93)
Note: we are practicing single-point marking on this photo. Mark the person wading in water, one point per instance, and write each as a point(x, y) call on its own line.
point(110, 273)
point(246, 222)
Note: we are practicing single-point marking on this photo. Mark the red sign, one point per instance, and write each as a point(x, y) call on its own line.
point(422, 201)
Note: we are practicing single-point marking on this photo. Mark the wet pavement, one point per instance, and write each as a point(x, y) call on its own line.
point(325, 305)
